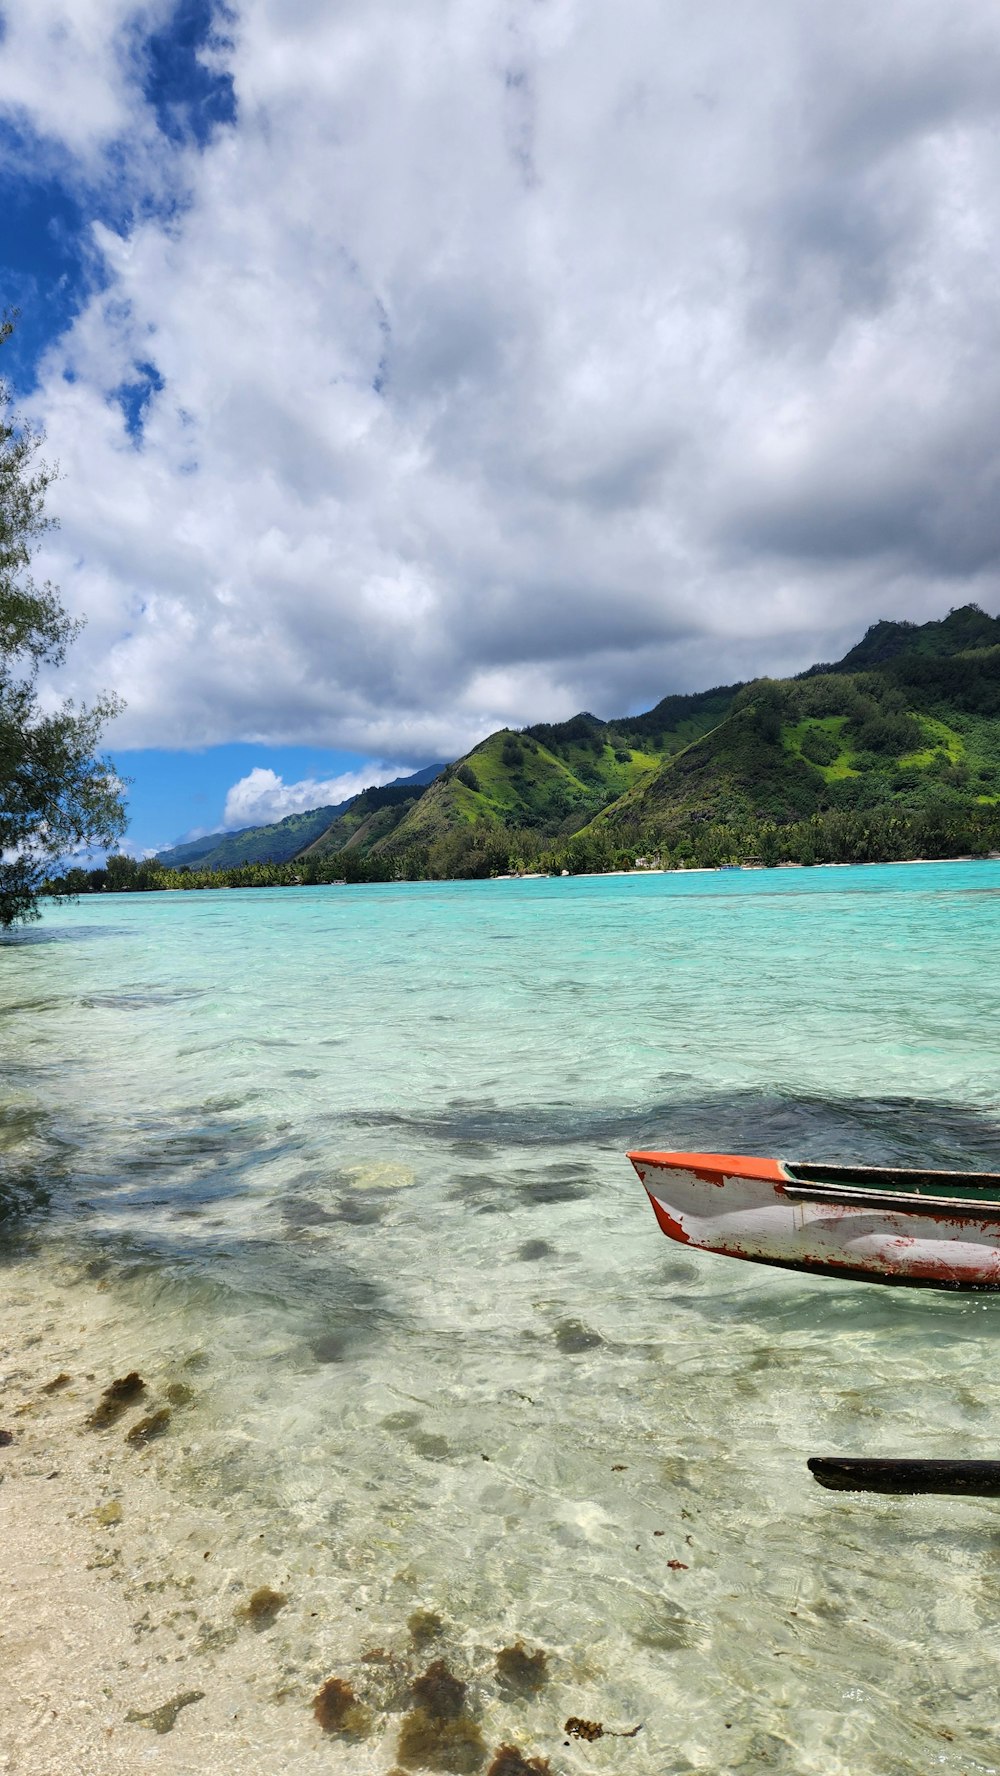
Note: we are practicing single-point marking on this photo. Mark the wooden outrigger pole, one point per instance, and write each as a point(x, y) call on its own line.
point(859, 1473)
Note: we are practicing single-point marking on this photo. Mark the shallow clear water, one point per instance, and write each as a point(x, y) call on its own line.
point(354, 1157)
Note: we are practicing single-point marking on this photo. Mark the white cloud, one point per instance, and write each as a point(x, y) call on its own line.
point(262, 795)
point(69, 70)
point(523, 359)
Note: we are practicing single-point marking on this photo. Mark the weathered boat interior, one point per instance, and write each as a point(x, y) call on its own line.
point(898, 1178)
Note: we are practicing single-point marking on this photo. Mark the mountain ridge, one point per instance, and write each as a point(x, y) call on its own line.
point(907, 721)
point(273, 841)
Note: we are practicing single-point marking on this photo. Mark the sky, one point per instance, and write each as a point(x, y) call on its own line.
point(418, 368)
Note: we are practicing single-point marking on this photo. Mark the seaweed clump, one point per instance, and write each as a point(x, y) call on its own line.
point(162, 1719)
point(440, 1691)
point(437, 1734)
point(115, 1398)
point(584, 1729)
point(511, 1762)
point(424, 1626)
point(454, 1745)
point(153, 1425)
point(520, 1672)
point(338, 1710)
point(262, 1608)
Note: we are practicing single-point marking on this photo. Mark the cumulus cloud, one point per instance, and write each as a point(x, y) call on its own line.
point(497, 361)
point(262, 795)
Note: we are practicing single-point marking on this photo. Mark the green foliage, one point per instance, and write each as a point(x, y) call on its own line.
point(580, 730)
point(962, 629)
point(365, 819)
point(857, 835)
point(885, 734)
point(272, 843)
point(677, 720)
point(55, 794)
point(898, 759)
point(819, 746)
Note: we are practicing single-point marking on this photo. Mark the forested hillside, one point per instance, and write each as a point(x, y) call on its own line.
point(893, 751)
point(279, 840)
point(904, 747)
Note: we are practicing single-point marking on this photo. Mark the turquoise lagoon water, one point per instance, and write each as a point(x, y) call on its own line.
point(353, 1159)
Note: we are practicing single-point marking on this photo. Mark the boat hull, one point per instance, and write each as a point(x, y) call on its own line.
point(756, 1209)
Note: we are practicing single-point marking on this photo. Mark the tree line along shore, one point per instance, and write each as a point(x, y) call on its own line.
point(479, 853)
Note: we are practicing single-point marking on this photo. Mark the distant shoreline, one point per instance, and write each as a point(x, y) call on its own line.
point(529, 876)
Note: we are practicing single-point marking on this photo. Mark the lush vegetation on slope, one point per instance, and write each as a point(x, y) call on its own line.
point(371, 815)
point(551, 779)
point(274, 843)
point(281, 840)
point(896, 756)
point(960, 632)
point(925, 733)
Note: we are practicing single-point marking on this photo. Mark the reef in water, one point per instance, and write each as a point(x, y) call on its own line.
point(338, 1710)
point(521, 1673)
point(329, 1347)
point(583, 1729)
point(572, 1336)
point(588, 1729)
point(439, 1691)
point(530, 1251)
point(115, 1398)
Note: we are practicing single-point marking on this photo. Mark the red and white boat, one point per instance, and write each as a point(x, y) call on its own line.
point(875, 1224)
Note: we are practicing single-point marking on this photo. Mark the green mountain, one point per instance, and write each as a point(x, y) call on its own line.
point(274, 843)
point(894, 747)
point(280, 840)
point(370, 816)
point(908, 721)
point(923, 730)
point(551, 779)
point(960, 632)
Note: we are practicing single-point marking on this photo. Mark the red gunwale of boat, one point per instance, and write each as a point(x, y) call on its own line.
point(712, 1168)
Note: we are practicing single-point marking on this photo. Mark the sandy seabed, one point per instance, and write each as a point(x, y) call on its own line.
point(117, 1605)
point(128, 1636)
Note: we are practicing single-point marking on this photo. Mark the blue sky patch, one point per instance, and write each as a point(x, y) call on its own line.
point(172, 793)
point(45, 265)
point(134, 396)
point(191, 99)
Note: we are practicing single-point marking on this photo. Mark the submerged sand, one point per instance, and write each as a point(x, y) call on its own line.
point(95, 1628)
point(128, 1635)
